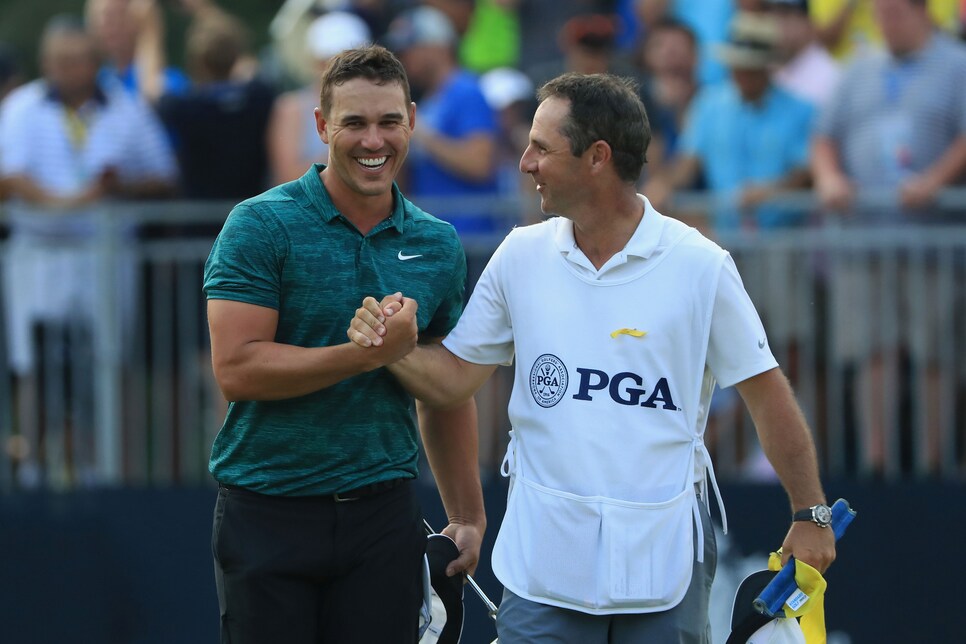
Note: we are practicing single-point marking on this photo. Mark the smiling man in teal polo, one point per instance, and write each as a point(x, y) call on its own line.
point(319, 446)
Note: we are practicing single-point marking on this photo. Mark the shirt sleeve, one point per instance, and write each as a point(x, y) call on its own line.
point(484, 334)
point(14, 138)
point(831, 119)
point(245, 263)
point(738, 348)
point(805, 120)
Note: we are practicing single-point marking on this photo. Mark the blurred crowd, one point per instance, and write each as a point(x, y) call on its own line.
point(744, 96)
point(747, 99)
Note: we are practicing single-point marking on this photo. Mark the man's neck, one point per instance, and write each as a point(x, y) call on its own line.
point(77, 100)
point(916, 45)
point(608, 226)
point(362, 211)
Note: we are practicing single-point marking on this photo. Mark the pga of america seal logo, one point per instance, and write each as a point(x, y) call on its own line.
point(548, 380)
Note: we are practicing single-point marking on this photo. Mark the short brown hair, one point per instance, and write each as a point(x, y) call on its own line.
point(604, 107)
point(372, 62)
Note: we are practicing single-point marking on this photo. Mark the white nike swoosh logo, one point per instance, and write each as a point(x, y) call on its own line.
point(405, 257)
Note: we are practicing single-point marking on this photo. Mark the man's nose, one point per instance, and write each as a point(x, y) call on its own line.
point(372, 139)
point(527, 164)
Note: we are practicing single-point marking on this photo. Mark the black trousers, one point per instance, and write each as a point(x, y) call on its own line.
point(303, 570)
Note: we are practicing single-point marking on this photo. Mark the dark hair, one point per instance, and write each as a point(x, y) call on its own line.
point(213, 46)
point(604, 107)
point(372, 62)
point(673, 24)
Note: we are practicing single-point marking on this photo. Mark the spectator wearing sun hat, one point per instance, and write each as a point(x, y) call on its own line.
point(748, 136)
point(589, 46)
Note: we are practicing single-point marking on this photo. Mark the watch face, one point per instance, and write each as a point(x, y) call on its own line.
point(823, 514)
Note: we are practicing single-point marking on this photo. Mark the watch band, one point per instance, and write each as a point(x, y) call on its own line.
point(819, 514)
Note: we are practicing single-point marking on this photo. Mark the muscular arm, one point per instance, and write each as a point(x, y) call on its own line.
point(431, 373)
point(451, 442)
point(787, 443)
point(250, 365)
point(437, 377)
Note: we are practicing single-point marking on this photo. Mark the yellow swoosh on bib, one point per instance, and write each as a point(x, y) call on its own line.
point(631, 332)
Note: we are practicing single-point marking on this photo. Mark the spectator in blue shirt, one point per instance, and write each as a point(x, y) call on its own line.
point(749, 136)
point(453, 152)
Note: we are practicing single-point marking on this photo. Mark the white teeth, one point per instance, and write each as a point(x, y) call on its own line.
point(372, 163)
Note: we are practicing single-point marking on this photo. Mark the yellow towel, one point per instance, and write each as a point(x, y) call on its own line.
point(808, 602)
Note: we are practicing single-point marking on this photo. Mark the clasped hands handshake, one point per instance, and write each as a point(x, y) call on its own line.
point(388, 326)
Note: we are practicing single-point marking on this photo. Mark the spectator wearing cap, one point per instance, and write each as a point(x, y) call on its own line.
point(749, 137)
point(807, 69)
point(588, 43)
point(541, 22)
point(293, 140)
point(511, 94)
point(453, 150)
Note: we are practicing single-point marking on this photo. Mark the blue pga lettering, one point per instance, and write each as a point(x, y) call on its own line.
point(624, 388)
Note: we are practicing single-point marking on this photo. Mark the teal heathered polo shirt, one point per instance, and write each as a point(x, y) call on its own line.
point(289, 249)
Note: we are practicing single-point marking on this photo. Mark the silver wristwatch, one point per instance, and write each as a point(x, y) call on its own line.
point(820, 515)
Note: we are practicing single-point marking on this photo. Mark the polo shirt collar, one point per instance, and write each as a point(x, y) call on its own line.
point(642, 243)
point(319, 196)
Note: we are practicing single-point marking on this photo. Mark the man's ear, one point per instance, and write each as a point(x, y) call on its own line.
point(412, 116)
point(600, 154)
point(320, 124)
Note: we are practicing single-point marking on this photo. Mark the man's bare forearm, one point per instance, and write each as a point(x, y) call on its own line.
point(450, 437)
point(431, 373)
point(784, 435)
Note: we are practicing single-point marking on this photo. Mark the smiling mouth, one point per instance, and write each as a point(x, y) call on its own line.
point(375, 163)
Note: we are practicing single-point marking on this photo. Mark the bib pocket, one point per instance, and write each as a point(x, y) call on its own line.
point(595, 554)
point(647, 552)
point(562, 546)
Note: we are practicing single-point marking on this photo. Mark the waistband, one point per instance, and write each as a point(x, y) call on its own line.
point(355, 494)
